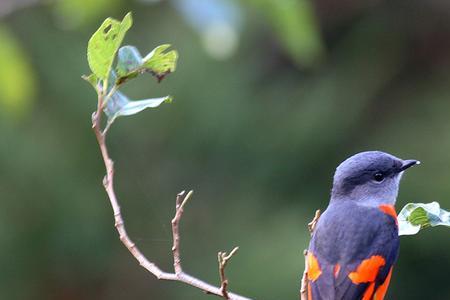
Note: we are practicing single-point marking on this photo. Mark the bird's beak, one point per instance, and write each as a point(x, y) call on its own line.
point(408, 163)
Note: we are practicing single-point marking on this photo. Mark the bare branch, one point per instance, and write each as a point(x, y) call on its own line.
point(313, 223)
point(181, 200)
point(223, 259)
point(304, 281)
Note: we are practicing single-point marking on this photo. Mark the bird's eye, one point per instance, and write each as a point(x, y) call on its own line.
point(378, 177)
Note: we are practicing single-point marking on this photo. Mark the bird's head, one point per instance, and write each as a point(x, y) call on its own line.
point(371, 178)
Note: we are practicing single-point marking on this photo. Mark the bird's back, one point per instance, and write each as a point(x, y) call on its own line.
point(352, 252)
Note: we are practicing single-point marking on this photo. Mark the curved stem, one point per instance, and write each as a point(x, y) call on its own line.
point(108, 183)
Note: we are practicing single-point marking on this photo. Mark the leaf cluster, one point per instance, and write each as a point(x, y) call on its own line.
point(103, 47)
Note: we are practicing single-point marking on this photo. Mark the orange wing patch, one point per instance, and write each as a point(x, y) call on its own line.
point(369, 292)
point(389, 210)
point(382, 289)
point(367, 270)
point(314, 270)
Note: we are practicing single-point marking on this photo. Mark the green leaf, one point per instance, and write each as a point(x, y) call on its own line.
point(120, 105)
point(159, 62)
point(117, 101)
point(104, 43)
point(128, 60)
point(416, 216)
point(133, 107)
point(92, 79)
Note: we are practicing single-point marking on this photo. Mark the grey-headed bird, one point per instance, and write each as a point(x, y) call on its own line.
point(355, 243)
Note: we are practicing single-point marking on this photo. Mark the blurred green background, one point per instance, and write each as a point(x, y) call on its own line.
point(270, 96)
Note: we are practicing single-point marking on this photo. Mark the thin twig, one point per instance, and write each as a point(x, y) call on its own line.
point(313, 223)
point(180, 202)
point(304, 281)
point(108, 183)
point(223, 259)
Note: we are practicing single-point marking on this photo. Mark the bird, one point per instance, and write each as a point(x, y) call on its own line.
point(355, 242)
